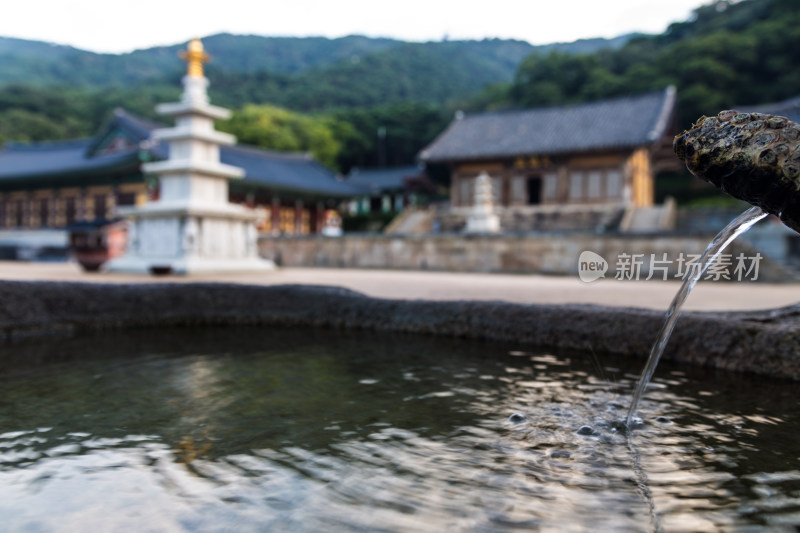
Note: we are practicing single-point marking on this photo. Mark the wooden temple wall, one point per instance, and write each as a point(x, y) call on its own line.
point(578, 179)
point(60, 207)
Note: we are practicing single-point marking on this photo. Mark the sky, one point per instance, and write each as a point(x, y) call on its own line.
point(125, 25)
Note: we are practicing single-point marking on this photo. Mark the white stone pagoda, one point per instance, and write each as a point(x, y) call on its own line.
point(482, 217)
point(191, 227)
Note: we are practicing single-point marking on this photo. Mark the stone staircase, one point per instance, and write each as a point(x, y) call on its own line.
point(525, 219)
point(649, 219)
point(411, 222)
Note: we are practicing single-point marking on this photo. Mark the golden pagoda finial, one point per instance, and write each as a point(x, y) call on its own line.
point(195, 56)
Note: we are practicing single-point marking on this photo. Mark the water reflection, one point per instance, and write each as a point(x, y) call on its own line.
point(288, 431)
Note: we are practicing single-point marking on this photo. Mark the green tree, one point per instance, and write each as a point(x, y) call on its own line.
point(25, 126)
point(389, 135)
point(275, 128)
point(730, 54)
point(555, 78)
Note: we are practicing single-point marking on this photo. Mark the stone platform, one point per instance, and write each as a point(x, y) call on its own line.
point(426, 285)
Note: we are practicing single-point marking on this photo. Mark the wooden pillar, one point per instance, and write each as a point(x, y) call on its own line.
point(642, 178)
point(41, 208)
point(24, 206)
point(30, 211)
point(111, 202)
point(504, 198)
point(80, 207)
point(47, 213)
point(55, 208)
point(298, 217)
point(320, 218)
point(562, 196)
point(276, 215)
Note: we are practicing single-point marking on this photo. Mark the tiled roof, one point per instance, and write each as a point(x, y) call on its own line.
point(286, 171)
point(56, 159)
point(628, 122)
point(298, 173)
point(132, 127)
point(383, 179)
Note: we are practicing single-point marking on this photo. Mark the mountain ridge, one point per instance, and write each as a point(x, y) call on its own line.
point(46, 64)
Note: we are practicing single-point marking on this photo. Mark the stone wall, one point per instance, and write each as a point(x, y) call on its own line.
point(546, 254)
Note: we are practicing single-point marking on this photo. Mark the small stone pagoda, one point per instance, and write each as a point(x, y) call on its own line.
point(191, 226)
point(482, 217)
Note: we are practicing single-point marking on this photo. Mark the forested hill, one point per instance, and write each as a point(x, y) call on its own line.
point(42, 64)
point(730, 53)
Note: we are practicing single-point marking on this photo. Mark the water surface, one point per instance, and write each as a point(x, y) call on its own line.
point(263, 430)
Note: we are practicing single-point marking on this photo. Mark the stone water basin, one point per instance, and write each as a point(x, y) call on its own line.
point(304, 429)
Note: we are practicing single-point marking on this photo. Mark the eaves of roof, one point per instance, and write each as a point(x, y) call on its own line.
point(621, 123)
point(61, 160)
point(135, 128)
point(384, 179)
point(292, 172)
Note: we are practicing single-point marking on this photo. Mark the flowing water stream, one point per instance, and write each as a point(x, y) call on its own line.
point(735, 228)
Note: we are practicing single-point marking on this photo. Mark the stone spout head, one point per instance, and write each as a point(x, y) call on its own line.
point(751, 156)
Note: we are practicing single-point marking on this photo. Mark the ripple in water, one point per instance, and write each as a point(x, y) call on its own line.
point(290, 432)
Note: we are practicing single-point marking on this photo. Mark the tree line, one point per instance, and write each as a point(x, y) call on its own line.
point(729, 54)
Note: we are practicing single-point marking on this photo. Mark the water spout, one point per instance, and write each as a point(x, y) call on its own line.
point(751, 156)
point(735, 228)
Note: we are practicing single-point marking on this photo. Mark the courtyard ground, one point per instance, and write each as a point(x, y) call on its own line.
point(396, 284)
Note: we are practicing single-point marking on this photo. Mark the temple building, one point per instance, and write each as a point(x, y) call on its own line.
point(390, 189)
point(570, 167)
point(56, 184)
